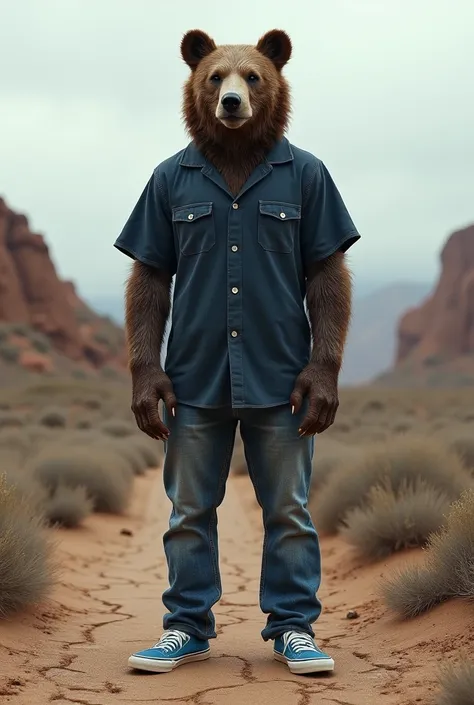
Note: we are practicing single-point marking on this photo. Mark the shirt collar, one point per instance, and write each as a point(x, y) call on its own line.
point(280, 153)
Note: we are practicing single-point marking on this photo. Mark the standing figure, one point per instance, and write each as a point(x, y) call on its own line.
point(254, 230)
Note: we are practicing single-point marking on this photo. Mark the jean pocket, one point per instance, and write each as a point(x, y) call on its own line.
point(194, 227)
point(278, 225)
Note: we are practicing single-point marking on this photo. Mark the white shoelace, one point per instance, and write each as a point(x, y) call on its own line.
point(297, 641)
point(172, 640)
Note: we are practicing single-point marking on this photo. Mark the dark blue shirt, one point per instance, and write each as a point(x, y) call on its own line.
point(239, 331)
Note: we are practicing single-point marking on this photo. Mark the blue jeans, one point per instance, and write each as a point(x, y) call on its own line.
point(197, 460)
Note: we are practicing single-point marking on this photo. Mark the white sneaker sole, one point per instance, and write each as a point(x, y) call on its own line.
point(319, 665)
point(162, 666)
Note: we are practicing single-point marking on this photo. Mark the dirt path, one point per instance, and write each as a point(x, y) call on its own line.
point(108, 604)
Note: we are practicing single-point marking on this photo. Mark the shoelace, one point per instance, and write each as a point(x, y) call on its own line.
point(298, 642)
point(172, 640)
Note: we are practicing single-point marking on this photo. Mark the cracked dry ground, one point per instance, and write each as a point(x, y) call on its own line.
point(107, 603)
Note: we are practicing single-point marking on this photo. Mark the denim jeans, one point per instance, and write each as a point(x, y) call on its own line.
point(197, 460)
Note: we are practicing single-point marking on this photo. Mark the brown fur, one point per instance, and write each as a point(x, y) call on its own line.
point(147, 307)
point(329, 299)
point(236, 153)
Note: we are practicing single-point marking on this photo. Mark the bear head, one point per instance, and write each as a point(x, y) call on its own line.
point(236, 88)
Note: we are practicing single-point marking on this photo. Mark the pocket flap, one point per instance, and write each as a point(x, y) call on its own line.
point(191, 212)
point(281, 211)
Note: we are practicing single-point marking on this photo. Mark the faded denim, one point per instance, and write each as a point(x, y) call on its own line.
point(198, 454)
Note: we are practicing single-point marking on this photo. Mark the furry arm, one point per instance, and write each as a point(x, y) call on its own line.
point(147, 307)
point(329, 299)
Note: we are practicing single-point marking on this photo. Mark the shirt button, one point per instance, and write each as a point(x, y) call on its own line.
point(235, 290)
point(234, 248)
point(235, 206)
point(190, 216)
point(282, 215)
point(234, 334)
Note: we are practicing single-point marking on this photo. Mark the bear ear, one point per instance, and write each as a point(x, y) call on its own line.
point(276, 46)
point(195, 45)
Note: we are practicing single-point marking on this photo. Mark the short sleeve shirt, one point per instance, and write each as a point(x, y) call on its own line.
point(239, 333)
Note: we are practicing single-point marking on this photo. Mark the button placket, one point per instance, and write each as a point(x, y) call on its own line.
point(234, 302)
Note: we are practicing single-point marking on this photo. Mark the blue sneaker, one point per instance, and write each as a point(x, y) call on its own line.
point(301, 654)
point(173, 649)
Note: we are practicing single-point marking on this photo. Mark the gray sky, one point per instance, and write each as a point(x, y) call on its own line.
point(382, 92)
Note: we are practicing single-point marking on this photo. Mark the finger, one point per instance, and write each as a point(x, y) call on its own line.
point(296, 400)
point(146, 415)
point(139, 418)
point(170, 403)
point(311, 417)
point(155, 422)
point(333, 414)
point(324, 417)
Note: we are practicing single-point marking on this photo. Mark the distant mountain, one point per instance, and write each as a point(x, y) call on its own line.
point(371, 343)
point(372, 339)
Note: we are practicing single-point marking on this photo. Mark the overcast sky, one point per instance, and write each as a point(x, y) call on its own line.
point(382, 92)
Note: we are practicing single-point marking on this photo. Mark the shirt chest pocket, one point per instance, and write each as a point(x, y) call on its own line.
point(194, 228)
point(278, 225)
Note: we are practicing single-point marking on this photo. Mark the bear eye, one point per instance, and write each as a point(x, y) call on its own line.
point(215, 78)
point(252, 78)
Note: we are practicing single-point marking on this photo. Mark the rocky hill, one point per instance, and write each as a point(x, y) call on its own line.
point(42, 318)
point(372, 339)
point(436, 339)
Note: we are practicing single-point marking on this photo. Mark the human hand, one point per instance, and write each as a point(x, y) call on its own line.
point(149, 385)
point(319, 385)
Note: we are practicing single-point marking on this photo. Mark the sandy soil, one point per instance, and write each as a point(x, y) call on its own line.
point(108, 604)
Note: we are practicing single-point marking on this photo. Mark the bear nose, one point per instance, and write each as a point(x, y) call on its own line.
point(231, 102)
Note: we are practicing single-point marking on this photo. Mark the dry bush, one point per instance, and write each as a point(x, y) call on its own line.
point(461, 441)
point(116, 427)
point(14, 448)
point(394, 520)
point(457, 685)
point(53, 417)
point(68, 506)
point(150, 450)
point(448, 571)
point(328, 459)
point(11, 420)
point(26, 564)
point(404, 459)
point(106, 477)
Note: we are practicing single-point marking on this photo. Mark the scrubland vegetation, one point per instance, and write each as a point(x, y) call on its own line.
point(66, 450)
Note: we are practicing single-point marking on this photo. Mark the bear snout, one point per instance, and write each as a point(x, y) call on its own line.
point(231, 102)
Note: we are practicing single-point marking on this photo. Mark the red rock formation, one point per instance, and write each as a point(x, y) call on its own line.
point(442, 328)
point(32, 293)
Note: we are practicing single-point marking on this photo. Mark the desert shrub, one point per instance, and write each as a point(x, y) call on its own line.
point(11, 419)
point(53, 417)
point(374, 405)
point(118, 428)
point(84, 424)
point(394, 520)
point(79, 374)
point(457, 684)
point(26, 564)
point(406, 458)
point(148, 449)
point(14, 448)
point(9, 352)
point(68, 506)
point(27, 487)
point(462, 443)
point(448, 571)
point(328, 459)
point(104, 475)
point(108, 372)
point(41, 343)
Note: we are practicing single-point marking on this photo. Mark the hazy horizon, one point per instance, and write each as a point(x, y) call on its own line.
point(91, 99)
